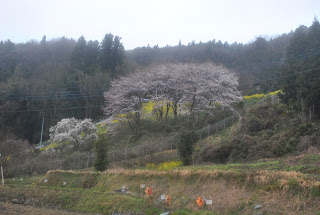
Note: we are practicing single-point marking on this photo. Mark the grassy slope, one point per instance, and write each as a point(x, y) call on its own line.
point(232, 190)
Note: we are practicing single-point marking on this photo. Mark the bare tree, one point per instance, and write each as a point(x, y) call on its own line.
point(12, 152)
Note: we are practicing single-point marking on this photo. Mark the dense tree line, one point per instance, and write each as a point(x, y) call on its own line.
point(55, 79)
point(301, 88)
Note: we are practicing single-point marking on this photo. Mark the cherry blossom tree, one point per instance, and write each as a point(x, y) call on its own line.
point(177, 86)
point(73, 131)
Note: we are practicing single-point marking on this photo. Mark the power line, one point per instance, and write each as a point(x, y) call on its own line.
point(287, 59)
point(97, 95)
point(284, 76)
point(52, 109)
point(34, 98)
point(55, 93)
point(83, 107)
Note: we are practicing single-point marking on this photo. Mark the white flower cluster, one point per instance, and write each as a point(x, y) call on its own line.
point(73, 131)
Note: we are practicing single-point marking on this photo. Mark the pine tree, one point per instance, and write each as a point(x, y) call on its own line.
point(112, 55)
point(100, 146)
point(106, 53)
point(78, 58)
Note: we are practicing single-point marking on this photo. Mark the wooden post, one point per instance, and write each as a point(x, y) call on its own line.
point(88, 162)
point(2, 176)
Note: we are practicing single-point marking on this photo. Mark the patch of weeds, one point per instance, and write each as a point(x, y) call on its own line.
point(315, 191)
point(294, 186)
point(270, 164)
point(311, 157)
point(237, 209)
point(153, 211)
point(297, 168)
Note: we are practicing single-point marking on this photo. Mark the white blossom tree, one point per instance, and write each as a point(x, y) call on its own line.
point(73, 131)
point(192, 85)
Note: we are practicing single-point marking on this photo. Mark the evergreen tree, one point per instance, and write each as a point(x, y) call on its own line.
point(106, 53)
point(92, 55)
point(100, 146)
point(79, 55)
point(186, 146)
point(112, 55)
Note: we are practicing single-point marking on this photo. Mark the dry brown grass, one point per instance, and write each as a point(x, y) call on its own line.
point(278, 192)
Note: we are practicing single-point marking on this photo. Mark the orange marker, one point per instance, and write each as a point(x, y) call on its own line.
point(148, 191)
point(200, 201)
point(168, 200)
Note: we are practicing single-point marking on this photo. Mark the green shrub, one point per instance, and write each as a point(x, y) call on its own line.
point(216, 153)
point(254, 125)
point(100, 147)
point(186, 145)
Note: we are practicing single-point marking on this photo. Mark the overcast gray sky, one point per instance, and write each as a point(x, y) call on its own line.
point(143, 22)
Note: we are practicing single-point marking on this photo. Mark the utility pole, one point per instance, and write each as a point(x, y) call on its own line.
point(41, 133)
point(2, 172)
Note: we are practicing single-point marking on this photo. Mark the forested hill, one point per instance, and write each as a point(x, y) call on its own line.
point(64, 77)
point(254, 61)
point(55, 79)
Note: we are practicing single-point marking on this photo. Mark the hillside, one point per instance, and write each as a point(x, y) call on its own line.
point(236, 124)
point(237, 174)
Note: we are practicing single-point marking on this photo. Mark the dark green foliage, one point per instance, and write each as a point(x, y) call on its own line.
point(186, 145)
point(100, 147)
point(303, 90)
point(304, 128)
point(218, 154)
point(112, 55)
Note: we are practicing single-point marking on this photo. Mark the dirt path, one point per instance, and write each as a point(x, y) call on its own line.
point(12, 209)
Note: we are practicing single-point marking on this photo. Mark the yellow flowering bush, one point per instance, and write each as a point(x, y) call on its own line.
point(53, 146)
point(102, 128)
point(258, 96)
